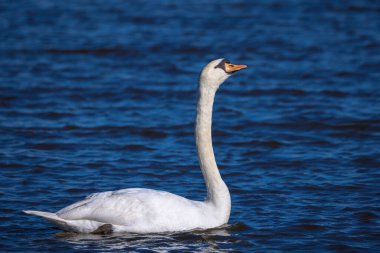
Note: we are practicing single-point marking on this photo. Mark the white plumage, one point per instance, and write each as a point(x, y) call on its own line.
point(140, 210)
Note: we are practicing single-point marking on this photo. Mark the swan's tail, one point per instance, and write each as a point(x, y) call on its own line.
point(52, 217)
point(78, 226)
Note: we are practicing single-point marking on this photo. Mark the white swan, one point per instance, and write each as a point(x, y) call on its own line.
point(140, 210)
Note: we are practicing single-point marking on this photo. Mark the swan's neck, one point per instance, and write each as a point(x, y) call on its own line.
point(217, 191)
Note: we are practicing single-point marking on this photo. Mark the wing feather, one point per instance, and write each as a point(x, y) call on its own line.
point(122, 207)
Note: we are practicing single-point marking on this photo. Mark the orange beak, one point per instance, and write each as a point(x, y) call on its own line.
point(232, 68)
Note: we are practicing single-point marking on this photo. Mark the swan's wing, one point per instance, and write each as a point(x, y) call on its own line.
point(122, 207)
point(84, 202)
point(80, 209)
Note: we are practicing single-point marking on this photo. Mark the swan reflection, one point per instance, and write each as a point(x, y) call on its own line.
point(197, 240)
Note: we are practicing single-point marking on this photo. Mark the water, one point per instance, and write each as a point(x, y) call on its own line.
point(101, 95)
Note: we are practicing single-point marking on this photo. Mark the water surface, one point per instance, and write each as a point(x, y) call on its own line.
point(101, 95)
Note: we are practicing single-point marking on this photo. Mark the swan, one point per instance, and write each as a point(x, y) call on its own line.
point(138, 210)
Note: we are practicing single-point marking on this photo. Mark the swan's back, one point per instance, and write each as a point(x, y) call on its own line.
point(140, 210)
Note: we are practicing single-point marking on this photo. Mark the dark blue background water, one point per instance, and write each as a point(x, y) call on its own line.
point(101, 95)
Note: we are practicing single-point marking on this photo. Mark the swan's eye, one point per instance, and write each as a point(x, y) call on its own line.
point(223, 64)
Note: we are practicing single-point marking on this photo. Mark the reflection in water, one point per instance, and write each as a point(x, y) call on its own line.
point(207, 240)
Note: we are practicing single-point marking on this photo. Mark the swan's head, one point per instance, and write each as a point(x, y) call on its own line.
point(217, 71)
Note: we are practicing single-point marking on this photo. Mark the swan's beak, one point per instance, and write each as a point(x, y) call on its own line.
point(232, 68)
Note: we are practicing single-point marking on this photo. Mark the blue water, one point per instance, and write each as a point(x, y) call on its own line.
point(101, 95)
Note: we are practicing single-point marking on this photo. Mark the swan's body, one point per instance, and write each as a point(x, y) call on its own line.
point(140, 210)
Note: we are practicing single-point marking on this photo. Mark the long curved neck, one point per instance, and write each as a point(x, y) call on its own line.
point(217, 191)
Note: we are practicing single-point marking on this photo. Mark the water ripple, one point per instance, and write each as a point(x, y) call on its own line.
point(101, 96)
